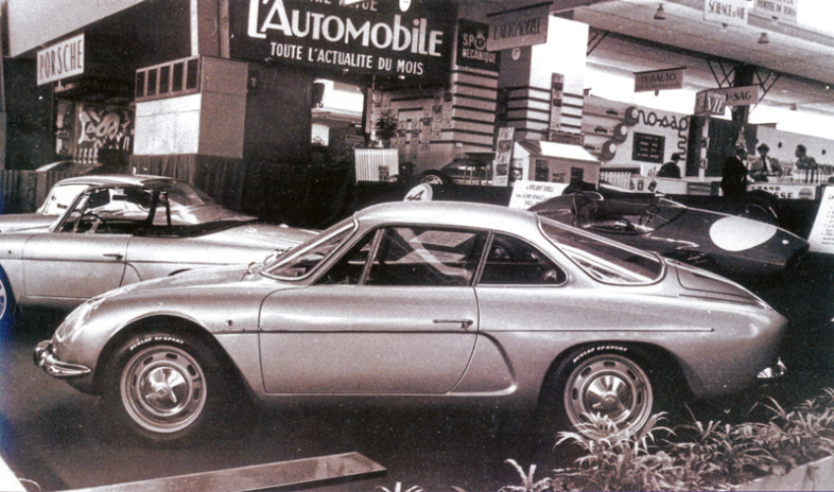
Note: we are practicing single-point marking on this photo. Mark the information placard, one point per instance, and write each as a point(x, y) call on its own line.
point(821, 238)
point(528, 193)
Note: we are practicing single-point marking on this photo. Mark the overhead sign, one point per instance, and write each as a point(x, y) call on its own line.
point(731, 12)
point(472, 47)
point(61, 60)
point(781, 10)
point(739, 96)
point(708, 102)
point(656, 80)
point(410, 40)
point(519, 28)
point(713, 101)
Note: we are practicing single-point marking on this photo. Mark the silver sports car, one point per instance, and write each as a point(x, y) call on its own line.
point(123, 230)
point(420, 303)
point(60, 197)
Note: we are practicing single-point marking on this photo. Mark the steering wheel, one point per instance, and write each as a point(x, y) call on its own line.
point(651, 212)
point(97, 221)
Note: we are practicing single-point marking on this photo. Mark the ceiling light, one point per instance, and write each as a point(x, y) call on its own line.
point(660, 14)
point(763, 38)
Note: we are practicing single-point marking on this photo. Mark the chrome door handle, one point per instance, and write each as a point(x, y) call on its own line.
point(464, 323)
point(115, 256)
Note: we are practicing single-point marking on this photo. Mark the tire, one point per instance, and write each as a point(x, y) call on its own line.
point(609, 380)
point(434, 178)
point(163, 386)
point(7, 304)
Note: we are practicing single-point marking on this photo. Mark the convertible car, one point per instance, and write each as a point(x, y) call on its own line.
point(60, 197)
point(420, 303)
point(732, 246)
point(124, 230)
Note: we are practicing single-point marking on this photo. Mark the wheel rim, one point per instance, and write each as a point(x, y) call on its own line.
point(3, 300)
point(432, 179)
point(610, 386)
point(163, 389)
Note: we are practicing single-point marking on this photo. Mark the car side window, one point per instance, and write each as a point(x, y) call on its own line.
point(348, 270)
point(512, 261)
point(419, 256)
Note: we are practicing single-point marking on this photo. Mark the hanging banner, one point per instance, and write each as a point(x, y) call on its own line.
point(519, 28)
point(61, 60)
point(406, 40)
point(472, 47)
point(780, 10)
point(656, 80)
point(730, 12)
point(709, 103)
point(503, 156)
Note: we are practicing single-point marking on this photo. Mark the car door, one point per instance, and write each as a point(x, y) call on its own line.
point(76, 262)
point(404, 322)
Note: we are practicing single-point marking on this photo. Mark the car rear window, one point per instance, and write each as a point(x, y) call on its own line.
point(604, 260)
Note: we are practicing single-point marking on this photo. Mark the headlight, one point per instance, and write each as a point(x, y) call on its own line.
point(76, 319)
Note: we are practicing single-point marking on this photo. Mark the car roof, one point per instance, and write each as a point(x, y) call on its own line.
point(111, 179)
point(456, 214)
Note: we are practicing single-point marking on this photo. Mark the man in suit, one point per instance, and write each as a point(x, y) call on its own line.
point(670, 169)
point(763, 166)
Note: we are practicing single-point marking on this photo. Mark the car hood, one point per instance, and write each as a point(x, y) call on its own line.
point(26, 222)
point(267, 236)
point(189, 278)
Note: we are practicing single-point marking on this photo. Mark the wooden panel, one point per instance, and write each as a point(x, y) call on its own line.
point(308, 472)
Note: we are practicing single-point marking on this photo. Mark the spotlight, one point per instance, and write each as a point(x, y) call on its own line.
point(763, 38)
point(660, 14)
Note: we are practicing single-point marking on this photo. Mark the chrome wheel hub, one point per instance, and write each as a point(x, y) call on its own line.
point(609, 386)
point(163, 389)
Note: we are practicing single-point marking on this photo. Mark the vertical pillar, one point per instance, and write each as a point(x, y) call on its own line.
point(535, 105)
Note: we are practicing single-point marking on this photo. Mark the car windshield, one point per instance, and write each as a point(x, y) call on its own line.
point(605, 261)
point(304, 258)
point(60, 198)
point(156, 208)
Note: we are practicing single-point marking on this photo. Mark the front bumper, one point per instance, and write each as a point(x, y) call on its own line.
point(46, 360)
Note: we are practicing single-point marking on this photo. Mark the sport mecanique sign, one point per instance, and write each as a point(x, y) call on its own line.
point(406, 38)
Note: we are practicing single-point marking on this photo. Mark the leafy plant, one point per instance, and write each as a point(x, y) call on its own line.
point(399, 488)
point(528, 482)
point(386, 127)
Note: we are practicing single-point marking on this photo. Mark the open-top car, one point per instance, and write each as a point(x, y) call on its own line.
point(440, 303)
point(59, 198)
point(732, 246)
point(124, 230)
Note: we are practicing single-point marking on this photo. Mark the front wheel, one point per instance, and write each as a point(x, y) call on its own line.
point(7, 304)
point(163, 387)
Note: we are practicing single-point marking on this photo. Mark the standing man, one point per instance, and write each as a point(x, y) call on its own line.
point(763, 166)
point(670, 169)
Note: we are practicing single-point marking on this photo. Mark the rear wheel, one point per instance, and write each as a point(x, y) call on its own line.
point(434, 178)
point(605, 381)
point(163, 386)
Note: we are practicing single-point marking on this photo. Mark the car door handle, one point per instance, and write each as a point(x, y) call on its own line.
point(115, 256)
point(464, 323)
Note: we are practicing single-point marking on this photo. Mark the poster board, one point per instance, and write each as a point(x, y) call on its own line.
point(821, 238)
point(528, 193)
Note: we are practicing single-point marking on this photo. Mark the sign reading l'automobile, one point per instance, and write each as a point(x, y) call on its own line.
point(407, 38)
